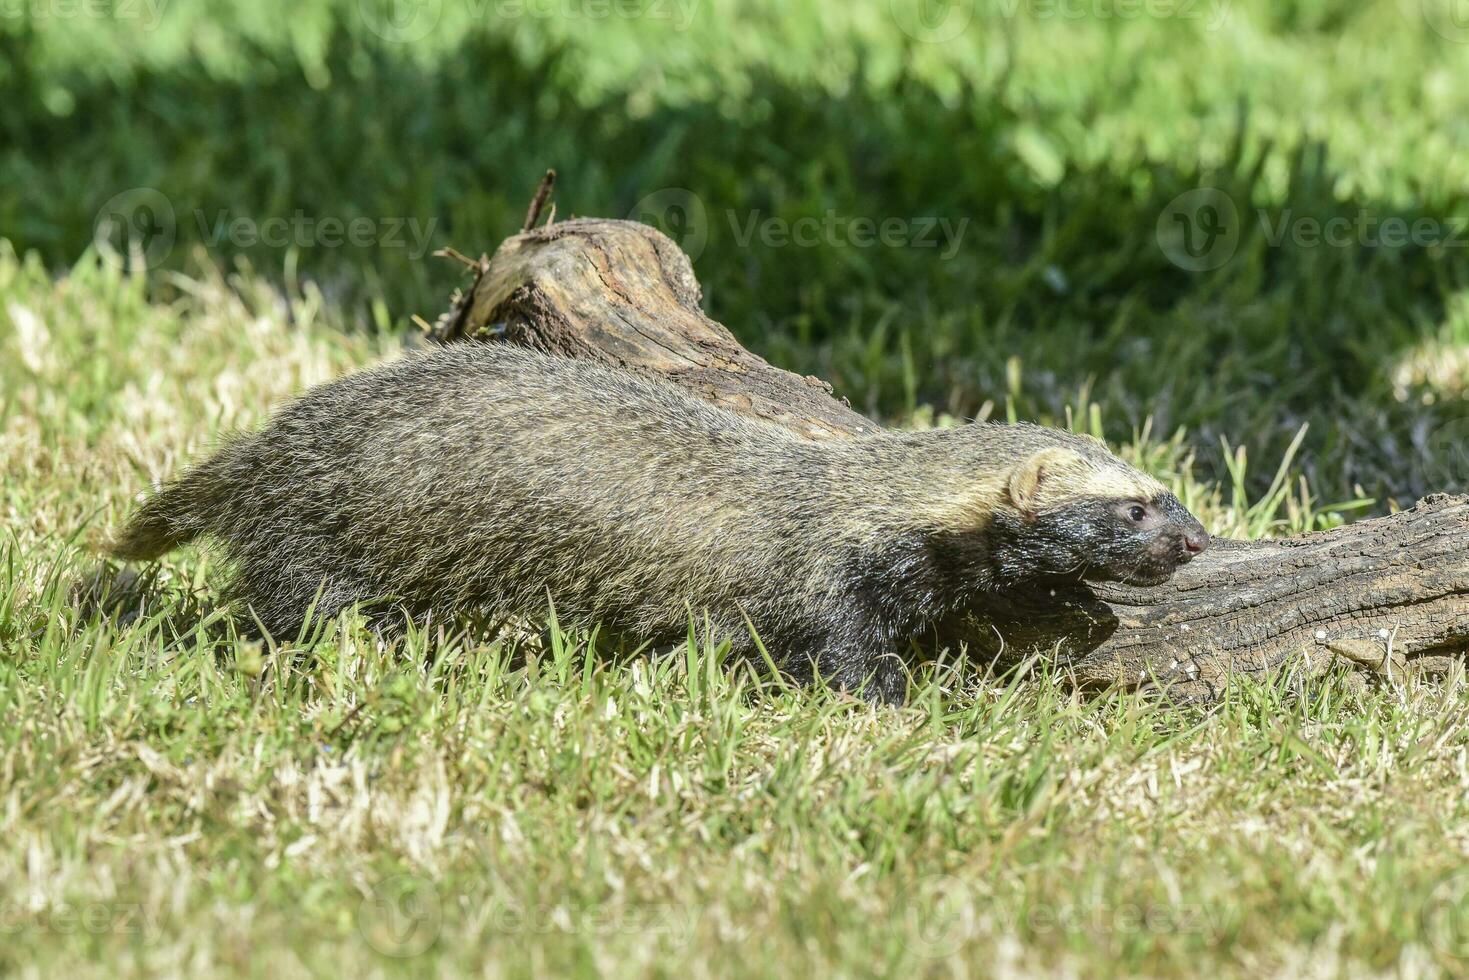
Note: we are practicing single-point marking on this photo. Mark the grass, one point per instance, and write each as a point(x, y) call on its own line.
point(205, 804)
point(1051, 146)
point(174, 799)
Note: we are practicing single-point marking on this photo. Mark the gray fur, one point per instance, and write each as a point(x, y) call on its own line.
point(489, 479)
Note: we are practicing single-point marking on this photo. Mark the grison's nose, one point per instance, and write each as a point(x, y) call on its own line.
point(1195, 541)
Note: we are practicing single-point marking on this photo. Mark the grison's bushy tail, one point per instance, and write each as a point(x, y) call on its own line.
point(171, 517)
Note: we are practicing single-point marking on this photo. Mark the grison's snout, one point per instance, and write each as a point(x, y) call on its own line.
point(1192, 540)
point(1177, 544)
point(1182, 535)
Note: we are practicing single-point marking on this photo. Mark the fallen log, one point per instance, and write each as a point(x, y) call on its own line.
point(1388, 595)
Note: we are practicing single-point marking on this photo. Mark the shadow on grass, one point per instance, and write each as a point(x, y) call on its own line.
point(1188, 296)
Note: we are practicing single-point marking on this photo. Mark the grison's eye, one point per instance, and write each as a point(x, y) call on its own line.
point(1137, 513)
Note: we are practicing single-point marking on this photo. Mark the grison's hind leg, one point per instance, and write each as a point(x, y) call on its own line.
point(279, 602)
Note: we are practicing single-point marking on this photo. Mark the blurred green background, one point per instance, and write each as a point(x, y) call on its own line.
point(1029, 157)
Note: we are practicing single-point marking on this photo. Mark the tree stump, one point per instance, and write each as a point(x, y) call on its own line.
point(1388, 596)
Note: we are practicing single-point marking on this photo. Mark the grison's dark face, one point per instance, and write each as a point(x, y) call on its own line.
point(1141, 542)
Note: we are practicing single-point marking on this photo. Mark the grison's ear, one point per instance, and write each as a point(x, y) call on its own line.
point(1031, 477)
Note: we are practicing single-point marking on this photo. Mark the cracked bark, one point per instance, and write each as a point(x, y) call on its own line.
point(1384, 595)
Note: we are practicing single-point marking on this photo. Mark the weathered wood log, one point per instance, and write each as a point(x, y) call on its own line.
point(1384, 595)
point(621, 292)
point(1388, 596)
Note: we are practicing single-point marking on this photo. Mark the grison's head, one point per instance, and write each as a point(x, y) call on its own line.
point(1087, 514)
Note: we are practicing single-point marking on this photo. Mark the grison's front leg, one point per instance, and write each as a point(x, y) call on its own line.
point(859, 659)
point(877, 677)
point(857, 662)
